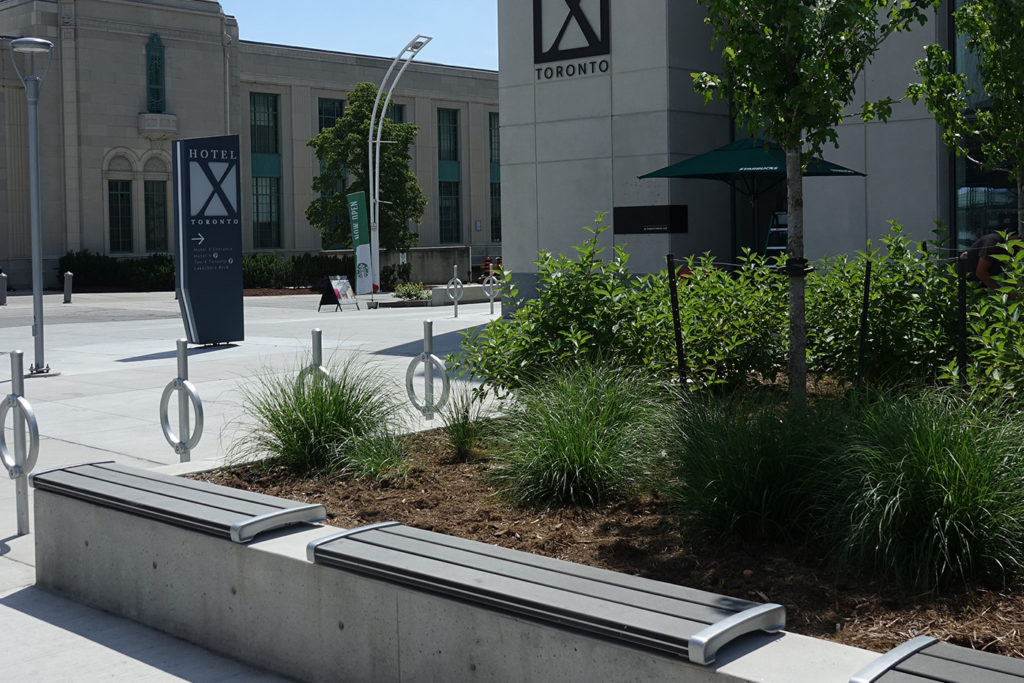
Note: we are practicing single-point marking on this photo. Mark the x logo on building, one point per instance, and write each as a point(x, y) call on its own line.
point(597, 41)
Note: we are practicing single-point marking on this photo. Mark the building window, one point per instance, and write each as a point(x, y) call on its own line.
point(156, 215)
point(331, 112)
point(396, 112)
point(449, 212)
point(119, 201)
point(495, 139)
point(495, 212)
point(156, 102)
point(266, 213)
point(448, 134)
point(263, 122)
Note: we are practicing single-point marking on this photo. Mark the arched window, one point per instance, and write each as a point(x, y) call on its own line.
point(156, 101)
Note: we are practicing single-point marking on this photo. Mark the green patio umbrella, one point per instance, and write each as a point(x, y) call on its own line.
point(750, 166)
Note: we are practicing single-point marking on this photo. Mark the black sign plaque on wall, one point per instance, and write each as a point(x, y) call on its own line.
point(208, 238)
point(570, 15)
point(651, 220)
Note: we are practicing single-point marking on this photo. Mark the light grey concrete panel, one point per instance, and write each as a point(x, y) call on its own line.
point(641, 134)
point(574, 140)
point(640, 91)
point(574, 98)
point(569, 195)
point(519, 215)
point(639, 34)
point(518, 144)
point(517, 105)
point(693, 134)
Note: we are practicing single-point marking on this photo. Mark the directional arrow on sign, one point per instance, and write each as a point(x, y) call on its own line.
point(199, 239)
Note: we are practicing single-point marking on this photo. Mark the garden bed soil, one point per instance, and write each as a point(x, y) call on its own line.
point(639, 537)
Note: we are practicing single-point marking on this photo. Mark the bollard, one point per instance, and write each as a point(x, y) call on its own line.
point(455, 288)
point(186, 394)
point(318, 358)
point(428, 407)
point(22, 461)
point(68, 276)
point(3, 289)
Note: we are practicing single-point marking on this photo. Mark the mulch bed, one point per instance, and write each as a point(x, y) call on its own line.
point(640, 537)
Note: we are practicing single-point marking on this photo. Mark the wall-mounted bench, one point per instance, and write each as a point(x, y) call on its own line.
point(230, 513)
point(926, 660)
point(671, 619)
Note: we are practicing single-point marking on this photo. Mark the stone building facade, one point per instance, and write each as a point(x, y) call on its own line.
point(129, 76)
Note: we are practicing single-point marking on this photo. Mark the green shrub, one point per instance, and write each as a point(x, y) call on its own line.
point(395, 275)
point(464, 423)
point(747, 466)
point(412, 291)
point(580, 437)
point(911, 319)
point(310, 424)
point(265, 270)
point(937, 491)
point(153, 273)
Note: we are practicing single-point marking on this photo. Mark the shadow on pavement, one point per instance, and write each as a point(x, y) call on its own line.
point(446, 343)
point(164, 355)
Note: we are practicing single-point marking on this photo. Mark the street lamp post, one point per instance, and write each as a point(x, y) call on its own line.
point(33, 48)
point(407, 54)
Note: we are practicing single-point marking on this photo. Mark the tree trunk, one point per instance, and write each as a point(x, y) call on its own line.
point(795, 266)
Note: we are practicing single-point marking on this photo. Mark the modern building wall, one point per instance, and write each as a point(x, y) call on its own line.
point(95, 126)
point(575, 144)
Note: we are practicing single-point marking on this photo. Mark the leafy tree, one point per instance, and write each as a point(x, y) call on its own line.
point(342, 151)
point(991, 122)
point(789, 69)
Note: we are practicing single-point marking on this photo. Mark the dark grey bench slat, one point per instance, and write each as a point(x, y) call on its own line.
point(562, 579)
point(511, 595)
point(948, 671)
point(171, 489)
point(221, 511)
point(606, 576)
point(977, 658)
point(196, 485)
point(925, 660)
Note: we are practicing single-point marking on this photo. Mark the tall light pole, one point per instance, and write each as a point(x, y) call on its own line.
point(34, 49)
point(373, 170)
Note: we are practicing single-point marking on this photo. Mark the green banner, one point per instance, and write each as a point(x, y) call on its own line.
point(360, 241)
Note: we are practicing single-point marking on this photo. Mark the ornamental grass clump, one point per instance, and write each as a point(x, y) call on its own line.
point(747, 466)
point(937, 492)
point(312, 424)
point(465, 426)
point(581, 436)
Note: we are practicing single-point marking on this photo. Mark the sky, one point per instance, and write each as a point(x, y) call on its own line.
point(465, 32)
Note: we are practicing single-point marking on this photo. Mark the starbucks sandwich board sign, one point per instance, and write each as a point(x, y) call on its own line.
point(208, 238)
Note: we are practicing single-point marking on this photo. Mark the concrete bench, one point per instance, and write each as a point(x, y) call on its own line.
point(670, 619)
point(229, 513)
point(925, 660)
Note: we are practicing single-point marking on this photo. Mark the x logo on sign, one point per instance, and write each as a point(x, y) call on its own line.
point(217, 188)
point(575, 12)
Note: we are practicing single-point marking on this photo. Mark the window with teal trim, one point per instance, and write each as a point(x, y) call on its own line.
point(155, 198)
point(330, 112)
point(447, 134)
point(264, 123)
point(119, 203)
point(156, 102)
point(449, 212)
point(396, 112)
point(495, 139)
point(495, 212)
point(266, 213)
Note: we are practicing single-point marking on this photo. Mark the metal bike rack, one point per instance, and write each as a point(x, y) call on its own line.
point(428, 407)
point(455, 289)
point(20, 464)
point(318, 358)
point(490, 283)
point(186, 393)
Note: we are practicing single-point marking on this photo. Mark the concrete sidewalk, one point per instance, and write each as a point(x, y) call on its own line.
point(111, 355)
